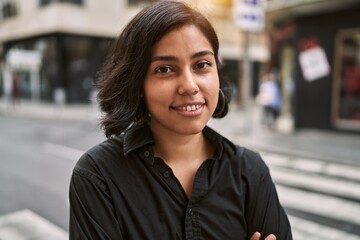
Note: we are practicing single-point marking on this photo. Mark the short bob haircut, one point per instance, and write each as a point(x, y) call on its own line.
point(122, 77)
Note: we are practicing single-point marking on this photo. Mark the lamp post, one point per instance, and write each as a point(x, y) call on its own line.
point(249, 18)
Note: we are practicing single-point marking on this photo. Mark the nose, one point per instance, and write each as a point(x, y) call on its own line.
point(188, 84)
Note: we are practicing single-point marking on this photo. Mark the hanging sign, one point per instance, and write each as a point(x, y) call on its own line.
point(249, 15)
point(313, 61)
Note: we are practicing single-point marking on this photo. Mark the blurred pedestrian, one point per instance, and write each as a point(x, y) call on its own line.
point(270, 100)
point(162, 173)
point(15, 89)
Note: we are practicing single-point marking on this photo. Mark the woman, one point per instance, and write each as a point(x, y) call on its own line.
point(162, 173)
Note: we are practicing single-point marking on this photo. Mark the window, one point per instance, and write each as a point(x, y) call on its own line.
point(46, 2)
point(8, 10)
point(347, 80)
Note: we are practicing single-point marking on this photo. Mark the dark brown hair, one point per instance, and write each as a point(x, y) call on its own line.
point(123, 74)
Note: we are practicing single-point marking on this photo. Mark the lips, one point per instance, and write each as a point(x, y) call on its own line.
point(188, 107)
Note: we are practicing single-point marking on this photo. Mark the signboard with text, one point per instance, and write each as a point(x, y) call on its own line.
point(249, 15)
point(313, 61)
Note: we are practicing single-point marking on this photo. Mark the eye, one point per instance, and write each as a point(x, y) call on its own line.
point(203, 64)
point(163, 69)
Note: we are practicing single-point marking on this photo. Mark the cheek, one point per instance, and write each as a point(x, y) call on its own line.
point(213, 86)
point(154, 94)
point(214, 91)
point(147, 90)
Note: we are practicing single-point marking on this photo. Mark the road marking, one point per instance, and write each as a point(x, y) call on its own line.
point(62, 151)
point(317, 183)
point(327, 206)
point(303, 229)
point(26, 225)
point(313, 165)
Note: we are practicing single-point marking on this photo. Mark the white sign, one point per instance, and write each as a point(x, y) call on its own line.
point(314, 63)
point(249, 15)
point(24, 59)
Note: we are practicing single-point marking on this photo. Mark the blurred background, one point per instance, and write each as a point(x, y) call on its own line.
point(51, 52)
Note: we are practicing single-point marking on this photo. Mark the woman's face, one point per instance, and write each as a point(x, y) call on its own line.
point(182, 84)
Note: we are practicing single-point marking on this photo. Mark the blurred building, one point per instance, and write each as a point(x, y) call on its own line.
point(315, 46)
point(54, 48)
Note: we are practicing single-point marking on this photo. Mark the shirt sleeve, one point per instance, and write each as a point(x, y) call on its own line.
point(92, 215)
point(264, 211)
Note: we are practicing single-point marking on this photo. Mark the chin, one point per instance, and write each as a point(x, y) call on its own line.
point(182, 127)
point(192, 130)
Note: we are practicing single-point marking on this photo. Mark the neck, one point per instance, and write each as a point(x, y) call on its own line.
point(182, 148)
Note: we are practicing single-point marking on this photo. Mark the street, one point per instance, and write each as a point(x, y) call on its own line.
point(37, 162)
point(322, 198)
point(318, 194)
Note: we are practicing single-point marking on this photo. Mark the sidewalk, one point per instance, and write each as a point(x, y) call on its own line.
point(49, 111)
point(243, 128)
point(333, 146)
point(26, 225)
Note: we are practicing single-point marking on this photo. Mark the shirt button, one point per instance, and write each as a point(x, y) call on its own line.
point(166, 174)
point(146, 154)
point(190, 212)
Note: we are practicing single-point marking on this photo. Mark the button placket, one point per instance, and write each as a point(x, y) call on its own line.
point(147, 154)
point(166, 174)
point(190, 212)
point(192, 223)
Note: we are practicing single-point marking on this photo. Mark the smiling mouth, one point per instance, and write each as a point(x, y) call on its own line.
point(188, 108)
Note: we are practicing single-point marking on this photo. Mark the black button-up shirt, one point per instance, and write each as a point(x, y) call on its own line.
point(119, 190)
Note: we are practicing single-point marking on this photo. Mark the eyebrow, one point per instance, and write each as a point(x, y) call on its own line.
point(173, 58)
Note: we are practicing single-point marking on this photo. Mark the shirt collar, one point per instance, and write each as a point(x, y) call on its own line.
point(137, 137)
point(216, 140)
point(140, 135)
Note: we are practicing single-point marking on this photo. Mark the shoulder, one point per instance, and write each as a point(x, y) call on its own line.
point(96, 165)
point(249, 162)
point(242, 160)
point(101, 155)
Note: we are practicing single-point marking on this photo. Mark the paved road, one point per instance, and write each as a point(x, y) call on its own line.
point(321, 198)
point(37, 156)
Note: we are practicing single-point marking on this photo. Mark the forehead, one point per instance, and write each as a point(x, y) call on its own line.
point(187, 37)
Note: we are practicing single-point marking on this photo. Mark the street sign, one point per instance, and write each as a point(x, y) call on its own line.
point(249, 15)
point(313, 61)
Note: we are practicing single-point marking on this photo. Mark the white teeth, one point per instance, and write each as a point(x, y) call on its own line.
point(189, 108)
